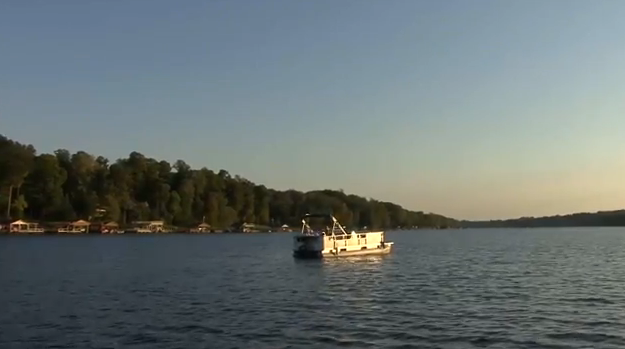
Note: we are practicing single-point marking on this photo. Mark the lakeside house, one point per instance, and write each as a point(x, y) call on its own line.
point(248, 228)
point(77, 227)
point(144, 227)
point(105, 227)
point(141, 227)
point(201, 228)
point(24, 227)
point(254, 228)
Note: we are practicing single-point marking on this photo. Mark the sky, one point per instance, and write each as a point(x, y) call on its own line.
point(472, 109)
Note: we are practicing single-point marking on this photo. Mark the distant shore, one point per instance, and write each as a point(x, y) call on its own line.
point(614, 218)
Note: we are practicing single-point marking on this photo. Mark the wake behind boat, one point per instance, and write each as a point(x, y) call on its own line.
point(335, 241)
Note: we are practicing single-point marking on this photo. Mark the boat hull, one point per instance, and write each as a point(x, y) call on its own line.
point(370, 251)
point(307, 254)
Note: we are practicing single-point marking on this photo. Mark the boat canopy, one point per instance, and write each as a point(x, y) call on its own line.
point(335, 229)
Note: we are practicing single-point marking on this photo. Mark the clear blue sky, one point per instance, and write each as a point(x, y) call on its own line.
point(473, 109)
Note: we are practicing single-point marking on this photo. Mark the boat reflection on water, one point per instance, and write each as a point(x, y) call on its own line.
point(346, 285)
point(366, 260)
point(367, 263)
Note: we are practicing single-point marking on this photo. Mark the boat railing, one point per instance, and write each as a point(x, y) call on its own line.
point(354, 240)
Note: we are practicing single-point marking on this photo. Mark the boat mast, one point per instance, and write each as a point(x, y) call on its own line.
point(335, 225)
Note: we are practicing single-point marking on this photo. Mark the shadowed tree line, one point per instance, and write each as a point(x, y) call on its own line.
point(584, 219)
point(64, 186)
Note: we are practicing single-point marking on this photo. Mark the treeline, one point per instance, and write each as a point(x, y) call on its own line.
point(64, 186)
point(585, 219)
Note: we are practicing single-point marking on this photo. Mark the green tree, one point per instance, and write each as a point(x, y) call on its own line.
point(66, 186)
point(16, 161)
point(262, 198)
point(19, 205)
point(44, 187)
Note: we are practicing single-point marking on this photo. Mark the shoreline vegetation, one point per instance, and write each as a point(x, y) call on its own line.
point(79, 193)
point(615, 218)
point(69, 193)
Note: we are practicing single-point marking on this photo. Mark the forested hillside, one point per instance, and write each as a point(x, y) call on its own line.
point(582, 219)
point(64, 186)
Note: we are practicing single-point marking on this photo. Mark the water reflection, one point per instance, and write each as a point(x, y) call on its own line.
point(368, 262)
point(363, 263)
point(439, 289)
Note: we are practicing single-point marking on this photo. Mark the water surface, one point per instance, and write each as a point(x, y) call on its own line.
point(516, 288)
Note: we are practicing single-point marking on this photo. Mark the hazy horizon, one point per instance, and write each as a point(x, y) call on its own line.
point(474, 110)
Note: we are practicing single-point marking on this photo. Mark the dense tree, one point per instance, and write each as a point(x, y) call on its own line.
point(65, 186)
point(16, 161)
point(44, 187)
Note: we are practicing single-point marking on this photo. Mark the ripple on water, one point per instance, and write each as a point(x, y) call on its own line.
point(442, 289)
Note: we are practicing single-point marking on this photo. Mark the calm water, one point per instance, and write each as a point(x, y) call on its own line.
point(439, 289)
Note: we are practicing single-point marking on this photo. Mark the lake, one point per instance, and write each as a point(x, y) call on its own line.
point(509, 288)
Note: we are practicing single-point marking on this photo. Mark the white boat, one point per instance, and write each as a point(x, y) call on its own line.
point(335, 241)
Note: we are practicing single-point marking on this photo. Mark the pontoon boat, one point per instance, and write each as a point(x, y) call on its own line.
point(335, 241)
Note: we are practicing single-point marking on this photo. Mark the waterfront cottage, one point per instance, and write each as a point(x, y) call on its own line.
point(77, 227)
point(105, 227)
point(148, 227)
point(201, 228)
point(253, 228)
point(24, 227)
point(248, 228)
